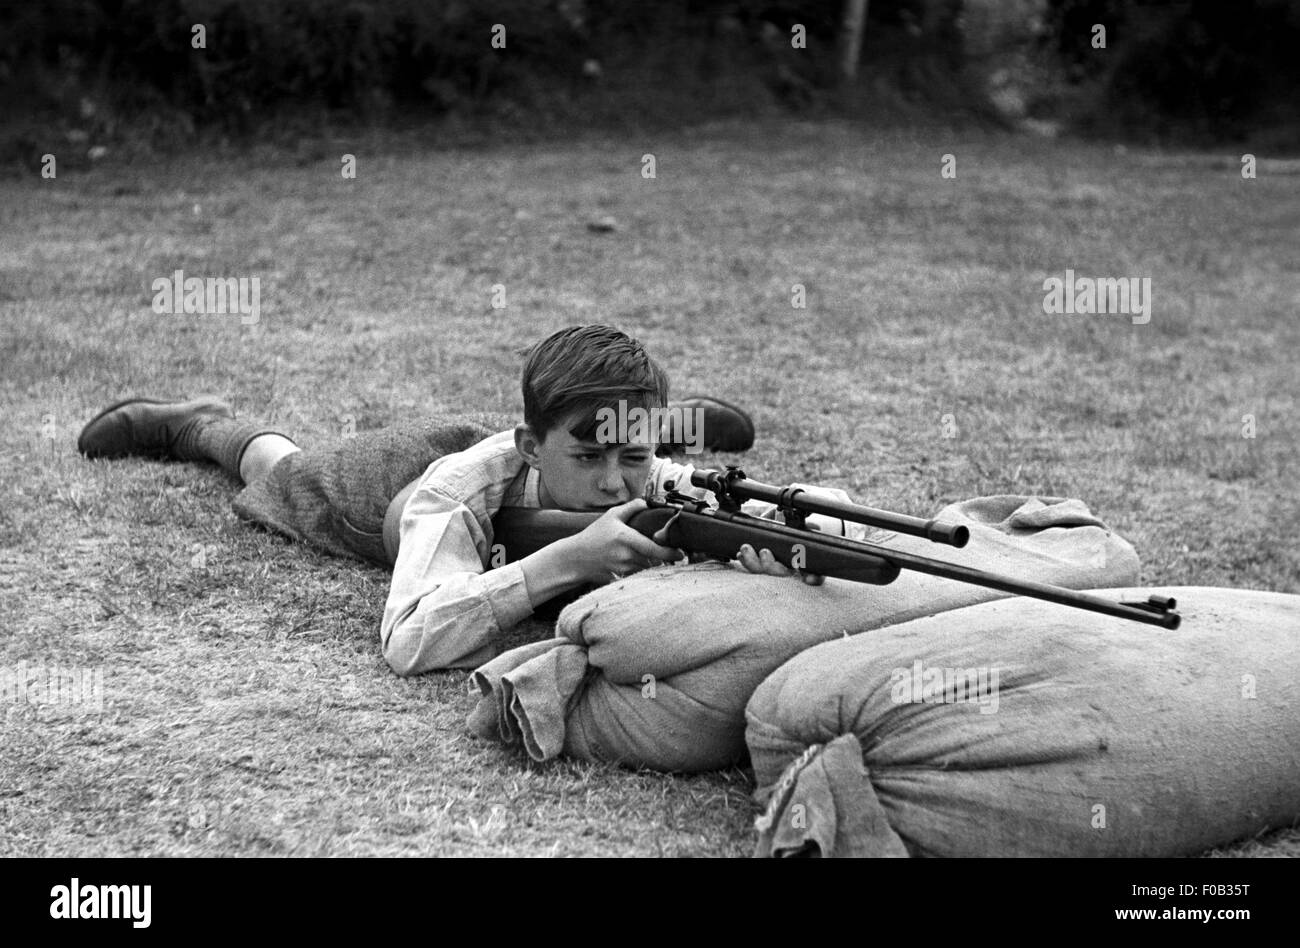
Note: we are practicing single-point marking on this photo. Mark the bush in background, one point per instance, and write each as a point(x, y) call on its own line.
point(1201, 70)
point(83, 70)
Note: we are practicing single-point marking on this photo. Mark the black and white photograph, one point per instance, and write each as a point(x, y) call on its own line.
point(701, 428)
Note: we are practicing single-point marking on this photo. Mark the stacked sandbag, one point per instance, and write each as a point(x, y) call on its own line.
point(1023, 728)
point(655, 670)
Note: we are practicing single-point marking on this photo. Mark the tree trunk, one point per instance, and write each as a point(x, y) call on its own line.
point(851, 26)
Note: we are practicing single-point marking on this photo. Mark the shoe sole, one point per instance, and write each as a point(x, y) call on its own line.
point(737, 409)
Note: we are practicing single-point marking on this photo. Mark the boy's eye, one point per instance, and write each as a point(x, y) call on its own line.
point(633, 459)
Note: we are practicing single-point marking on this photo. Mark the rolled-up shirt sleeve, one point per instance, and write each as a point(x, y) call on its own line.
point(445, 609)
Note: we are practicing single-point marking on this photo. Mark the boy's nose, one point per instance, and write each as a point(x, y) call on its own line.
point(612, 481)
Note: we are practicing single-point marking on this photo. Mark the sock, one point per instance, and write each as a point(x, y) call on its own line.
point(214, 438)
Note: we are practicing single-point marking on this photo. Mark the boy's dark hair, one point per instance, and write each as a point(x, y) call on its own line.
point(581, 369)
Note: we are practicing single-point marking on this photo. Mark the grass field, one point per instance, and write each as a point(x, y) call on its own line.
point(248, 709)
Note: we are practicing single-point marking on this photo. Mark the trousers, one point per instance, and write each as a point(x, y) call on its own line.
point(336, 497)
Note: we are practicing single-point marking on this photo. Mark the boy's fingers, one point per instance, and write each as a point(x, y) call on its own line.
point(771, 565)
point(762, 562)
point(765, 563)
point(650, 550)
point(625, 511)
point(642, 547)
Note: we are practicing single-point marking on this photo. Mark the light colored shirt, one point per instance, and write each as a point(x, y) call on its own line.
point(446, 608)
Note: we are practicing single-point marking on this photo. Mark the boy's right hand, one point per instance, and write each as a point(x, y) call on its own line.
point(610, 546)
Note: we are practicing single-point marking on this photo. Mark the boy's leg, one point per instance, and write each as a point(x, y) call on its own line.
point(201, 429)
point(333, 498)
point(336, 498)
point(263, 453)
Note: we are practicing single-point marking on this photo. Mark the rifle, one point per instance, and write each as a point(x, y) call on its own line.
point(702, 530)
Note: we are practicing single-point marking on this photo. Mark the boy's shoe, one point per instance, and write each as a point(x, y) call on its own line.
point(146, 427)
point(725, 427)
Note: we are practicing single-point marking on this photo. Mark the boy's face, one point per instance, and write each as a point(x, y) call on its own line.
point(586, 475)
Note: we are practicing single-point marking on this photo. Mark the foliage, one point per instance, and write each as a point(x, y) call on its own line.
point(1211, 69)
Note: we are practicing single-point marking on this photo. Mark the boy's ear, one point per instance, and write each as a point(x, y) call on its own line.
point(527, 443)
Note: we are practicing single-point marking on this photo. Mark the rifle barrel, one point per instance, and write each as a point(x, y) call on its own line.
point(1161, 615)
point(1025, 587)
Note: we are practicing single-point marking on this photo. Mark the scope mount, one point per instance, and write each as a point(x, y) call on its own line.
point(723, 486)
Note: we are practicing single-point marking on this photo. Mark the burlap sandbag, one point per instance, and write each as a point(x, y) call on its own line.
point(655, 670)
point(1097, 737)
